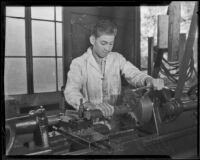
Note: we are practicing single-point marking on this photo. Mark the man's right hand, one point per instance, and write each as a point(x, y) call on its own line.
point(106, 109)
point(89, 106)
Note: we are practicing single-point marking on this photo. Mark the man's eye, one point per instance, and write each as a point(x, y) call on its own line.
point(103, 43)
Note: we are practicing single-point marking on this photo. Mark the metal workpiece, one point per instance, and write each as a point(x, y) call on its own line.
point(93, 114)
point(96, 113)
point(141, 88)
point(122, 109)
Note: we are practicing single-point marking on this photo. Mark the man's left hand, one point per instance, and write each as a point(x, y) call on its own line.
point(157, 84)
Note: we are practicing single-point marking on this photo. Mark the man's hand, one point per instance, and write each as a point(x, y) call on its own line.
point(106, 109)
point(157, 84)
point(89, 106)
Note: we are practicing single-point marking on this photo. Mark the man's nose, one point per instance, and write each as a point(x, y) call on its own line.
point(108, 48)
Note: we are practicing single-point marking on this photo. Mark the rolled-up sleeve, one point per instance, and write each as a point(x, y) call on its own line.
point(132, 74)
point(74, 84)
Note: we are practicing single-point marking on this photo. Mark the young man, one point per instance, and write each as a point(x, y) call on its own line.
point(95, 78)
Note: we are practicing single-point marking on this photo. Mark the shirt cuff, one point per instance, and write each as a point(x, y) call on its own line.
point(147, 80)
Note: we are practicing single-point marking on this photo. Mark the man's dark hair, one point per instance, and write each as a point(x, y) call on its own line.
point(104, 26)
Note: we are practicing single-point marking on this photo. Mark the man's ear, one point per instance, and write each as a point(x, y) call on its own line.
point(92, 39)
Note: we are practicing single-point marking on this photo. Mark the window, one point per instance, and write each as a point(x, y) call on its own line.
point(149, 24)
point(33, 50)
point(149, 19)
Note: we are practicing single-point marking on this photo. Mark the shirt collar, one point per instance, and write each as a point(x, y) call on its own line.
point(91, 59)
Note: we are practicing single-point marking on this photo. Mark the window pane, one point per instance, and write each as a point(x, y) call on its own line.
point(59, 13)
point(59, 38)
point(15, 37)
point(15, 11)
point(43, 38)
point(44, 74)
point(15, 81)
point(46, 13)
point(60, 73)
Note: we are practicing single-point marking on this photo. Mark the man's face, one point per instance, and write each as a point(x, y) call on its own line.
point(103, 45)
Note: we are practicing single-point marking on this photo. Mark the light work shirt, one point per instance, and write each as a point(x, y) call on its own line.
point(87, 81)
